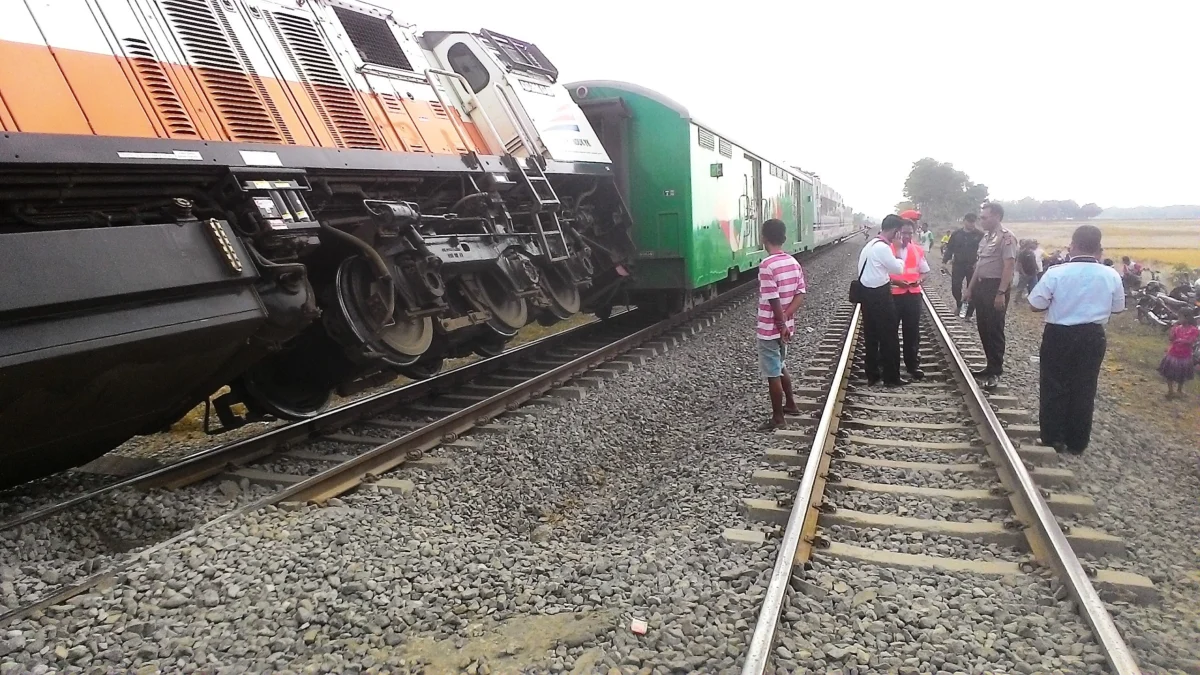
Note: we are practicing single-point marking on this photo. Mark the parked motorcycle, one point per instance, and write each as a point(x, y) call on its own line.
point(1155, 307)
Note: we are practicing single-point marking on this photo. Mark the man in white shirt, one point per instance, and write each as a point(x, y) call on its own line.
point(1078, 297)
point(876, 264)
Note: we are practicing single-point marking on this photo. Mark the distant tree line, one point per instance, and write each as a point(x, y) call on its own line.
point(944, 194)
point(1051, 209)
point(1178, 212)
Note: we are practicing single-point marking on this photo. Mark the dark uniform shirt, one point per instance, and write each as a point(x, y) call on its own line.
point(963, 247)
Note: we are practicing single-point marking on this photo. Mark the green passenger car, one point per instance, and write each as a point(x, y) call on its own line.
point(696, 197)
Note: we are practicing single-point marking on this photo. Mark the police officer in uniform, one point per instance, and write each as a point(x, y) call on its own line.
point(988, 292)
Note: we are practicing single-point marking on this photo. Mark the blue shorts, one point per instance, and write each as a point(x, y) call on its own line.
point(771, 355)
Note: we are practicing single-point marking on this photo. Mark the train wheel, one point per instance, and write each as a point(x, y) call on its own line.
point(423, 369)
point(489, 346)
point(278, 387)
point(562, 292)
point(402, 340)
point(491, 292)
point(410, 338)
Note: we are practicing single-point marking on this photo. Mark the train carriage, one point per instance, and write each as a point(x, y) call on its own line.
point(697, 197)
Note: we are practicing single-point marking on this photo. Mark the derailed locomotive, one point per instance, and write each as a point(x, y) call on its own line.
point(291, 198)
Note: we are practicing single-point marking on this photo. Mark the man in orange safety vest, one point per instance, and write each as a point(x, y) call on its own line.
point(906, 292)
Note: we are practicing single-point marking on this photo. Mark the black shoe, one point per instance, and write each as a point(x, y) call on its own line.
point(917, 374)
point(1074, 451)
point(981, 374)
point(872, 381)
point(1058, 447)
point(897, 383)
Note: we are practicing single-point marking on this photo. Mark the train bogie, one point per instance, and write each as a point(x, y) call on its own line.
point(284, 197)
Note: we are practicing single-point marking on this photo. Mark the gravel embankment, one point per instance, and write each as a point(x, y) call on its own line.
point(1145, 481)
point(531, 553)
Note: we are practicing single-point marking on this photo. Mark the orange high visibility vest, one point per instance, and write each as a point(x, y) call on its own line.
point(912, 267)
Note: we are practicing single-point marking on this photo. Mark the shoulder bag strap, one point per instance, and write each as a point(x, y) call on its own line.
point(863, 270)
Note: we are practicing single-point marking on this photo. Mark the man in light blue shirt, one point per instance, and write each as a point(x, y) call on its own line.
point(1078, 297)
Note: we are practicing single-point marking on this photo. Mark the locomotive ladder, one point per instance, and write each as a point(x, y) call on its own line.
point(546, 206)
point(546, 202)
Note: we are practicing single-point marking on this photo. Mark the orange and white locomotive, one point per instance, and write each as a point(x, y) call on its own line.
point(289, 197)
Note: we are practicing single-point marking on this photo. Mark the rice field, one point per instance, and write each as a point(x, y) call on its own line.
point(1159, 243)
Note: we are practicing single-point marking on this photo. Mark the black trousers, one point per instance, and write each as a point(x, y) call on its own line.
point(880, 322)
point(990, 322)
point(908, 307)
point(1070, 368)
point(958, 275)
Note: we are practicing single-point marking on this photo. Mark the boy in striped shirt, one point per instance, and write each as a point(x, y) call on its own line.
point(781, 291)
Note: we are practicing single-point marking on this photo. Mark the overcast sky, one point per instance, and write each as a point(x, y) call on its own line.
point(1055, 99)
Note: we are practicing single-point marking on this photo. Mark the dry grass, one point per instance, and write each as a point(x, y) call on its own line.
point(1134, 351)
point(1118, 234)
point(1157, 244)
point(1130, 366)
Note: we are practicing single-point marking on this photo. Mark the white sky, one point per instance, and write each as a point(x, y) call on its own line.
point(1055, 99)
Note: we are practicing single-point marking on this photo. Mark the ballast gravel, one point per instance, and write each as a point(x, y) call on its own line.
point(947, 480)
point(532, 553)
point(1144, 479)
point(914, 507)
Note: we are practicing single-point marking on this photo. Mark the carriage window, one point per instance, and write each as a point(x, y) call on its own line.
point(465, 63)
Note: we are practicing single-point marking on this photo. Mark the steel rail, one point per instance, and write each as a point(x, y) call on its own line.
point(213, 460)
point(298, 491)
point(1056, 549)
point(759, 651)
point(346, 476)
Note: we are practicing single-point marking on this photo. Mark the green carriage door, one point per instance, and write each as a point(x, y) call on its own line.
point(807, 212)
point(754, 206)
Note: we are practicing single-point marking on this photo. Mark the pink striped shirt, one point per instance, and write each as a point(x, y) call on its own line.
point(779, 277)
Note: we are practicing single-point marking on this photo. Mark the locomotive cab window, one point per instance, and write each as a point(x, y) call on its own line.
point(464, 62)
point(520, 55)
point(374, 39)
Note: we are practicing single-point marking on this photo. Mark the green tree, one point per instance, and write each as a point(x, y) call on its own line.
point(1090, 210)
point(942, 193)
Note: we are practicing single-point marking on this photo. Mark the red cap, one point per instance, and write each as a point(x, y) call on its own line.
point(911, 214)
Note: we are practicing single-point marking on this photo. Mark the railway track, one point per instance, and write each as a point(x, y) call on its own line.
point(417, 399)
point(370, 440)
point(944, 481)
